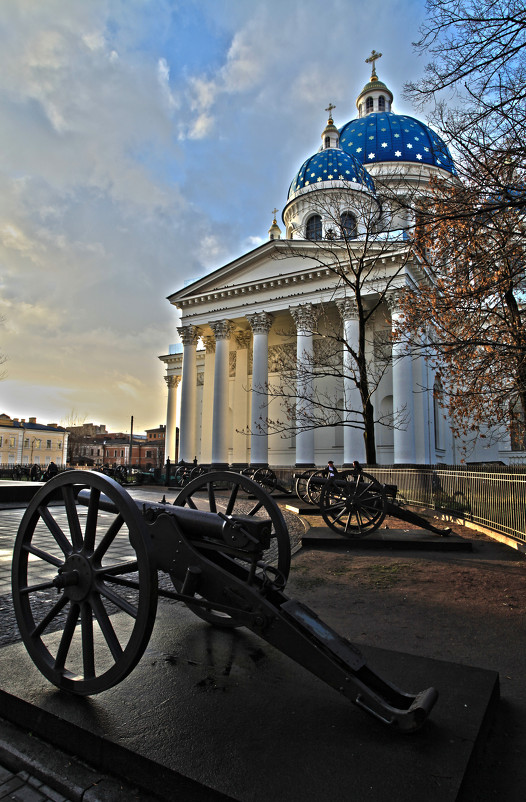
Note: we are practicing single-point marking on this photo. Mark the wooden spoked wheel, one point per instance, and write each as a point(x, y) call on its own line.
point(353, 505)
point(266, 478)
point(76, 566)
point(234, 494)
point(315, 485)
point(300, 486)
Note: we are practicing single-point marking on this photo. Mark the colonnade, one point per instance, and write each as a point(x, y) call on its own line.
point(217, 439)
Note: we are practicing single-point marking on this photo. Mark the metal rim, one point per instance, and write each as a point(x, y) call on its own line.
point(353, 505)
point(98, 563)
point(232, 493)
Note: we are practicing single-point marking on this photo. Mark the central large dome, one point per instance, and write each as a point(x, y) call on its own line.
point(388, 137)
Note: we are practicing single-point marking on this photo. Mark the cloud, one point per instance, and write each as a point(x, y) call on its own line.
point(143, 143)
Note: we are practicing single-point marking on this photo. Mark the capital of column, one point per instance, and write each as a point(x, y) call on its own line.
point(393, 301)
point(348, 309)
point(243, 340)
point(172, 381)
point(260, 322)
point(188, 334)
point(222, 329)
point(209, 343)
point(304, 317)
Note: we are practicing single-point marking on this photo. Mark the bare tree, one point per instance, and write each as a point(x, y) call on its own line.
point(470, 311)
point(476, 83)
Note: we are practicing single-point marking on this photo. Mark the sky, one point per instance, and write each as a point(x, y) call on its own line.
point(143, 144)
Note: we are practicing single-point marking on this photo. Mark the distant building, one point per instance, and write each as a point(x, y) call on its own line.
point(30, 443)
point(88, 430)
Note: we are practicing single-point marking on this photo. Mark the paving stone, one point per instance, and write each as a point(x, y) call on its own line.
point(10, 786)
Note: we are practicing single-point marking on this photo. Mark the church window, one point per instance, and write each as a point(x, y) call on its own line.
point(314, 227)
point(327, 141)
point(369, 105)
point(348, 225)
point(381, 103)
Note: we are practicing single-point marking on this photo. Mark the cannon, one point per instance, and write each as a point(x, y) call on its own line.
point(86, 550)
point(354, 503)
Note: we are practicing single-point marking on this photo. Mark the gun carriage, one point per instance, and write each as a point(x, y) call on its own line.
point(85, 550)
point(354, 503)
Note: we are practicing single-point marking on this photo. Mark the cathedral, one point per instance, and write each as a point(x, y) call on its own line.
point(268, 373)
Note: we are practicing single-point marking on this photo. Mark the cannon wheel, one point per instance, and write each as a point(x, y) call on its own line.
point(266, 478)
point(300, 487)
point(234, 494)
point(73, 568)
point(314, 486)
point(353, 505)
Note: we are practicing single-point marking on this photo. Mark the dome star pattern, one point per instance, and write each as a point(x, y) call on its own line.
point(331, 164)
point(396, 137)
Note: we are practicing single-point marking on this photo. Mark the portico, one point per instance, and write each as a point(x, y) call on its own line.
point(234, 334)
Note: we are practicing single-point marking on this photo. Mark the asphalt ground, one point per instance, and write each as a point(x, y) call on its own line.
point(467, 608)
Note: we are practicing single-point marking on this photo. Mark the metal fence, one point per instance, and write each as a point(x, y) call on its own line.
point(493, 497)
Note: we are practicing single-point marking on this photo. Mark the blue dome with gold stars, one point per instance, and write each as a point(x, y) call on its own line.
point(330, 164)
point(388, 137)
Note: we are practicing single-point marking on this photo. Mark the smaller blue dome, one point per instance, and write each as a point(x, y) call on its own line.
point(330, 164)
point(388, 137)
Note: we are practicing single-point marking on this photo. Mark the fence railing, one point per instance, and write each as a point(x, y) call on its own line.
point(492, 497)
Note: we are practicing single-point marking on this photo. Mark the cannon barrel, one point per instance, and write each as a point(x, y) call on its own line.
point(238, 530)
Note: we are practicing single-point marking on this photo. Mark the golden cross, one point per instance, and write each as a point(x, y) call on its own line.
point(372, 58)
point(329, 108)
point(274, 212)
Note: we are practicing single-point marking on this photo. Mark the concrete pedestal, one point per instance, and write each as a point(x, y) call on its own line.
point(213, 714)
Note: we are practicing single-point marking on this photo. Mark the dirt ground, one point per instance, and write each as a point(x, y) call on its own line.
point(463, 607)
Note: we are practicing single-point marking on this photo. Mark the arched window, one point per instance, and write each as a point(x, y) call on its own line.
point(314, 227)
point(369, 105)
point(327, 141)
point(348, 223)
point(381, 103)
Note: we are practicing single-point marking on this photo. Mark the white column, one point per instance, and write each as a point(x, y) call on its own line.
point(260, 324)
point(221, 329)
point(354, 423)
point(305, 319)
point(241, 401)
point(171, 410)
point(208, 400)
point(187, 424)
point(403, 400)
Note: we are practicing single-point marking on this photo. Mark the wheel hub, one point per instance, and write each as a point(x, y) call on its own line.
point(75, 577)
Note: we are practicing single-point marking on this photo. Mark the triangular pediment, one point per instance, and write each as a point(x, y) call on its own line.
point(269, 261)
